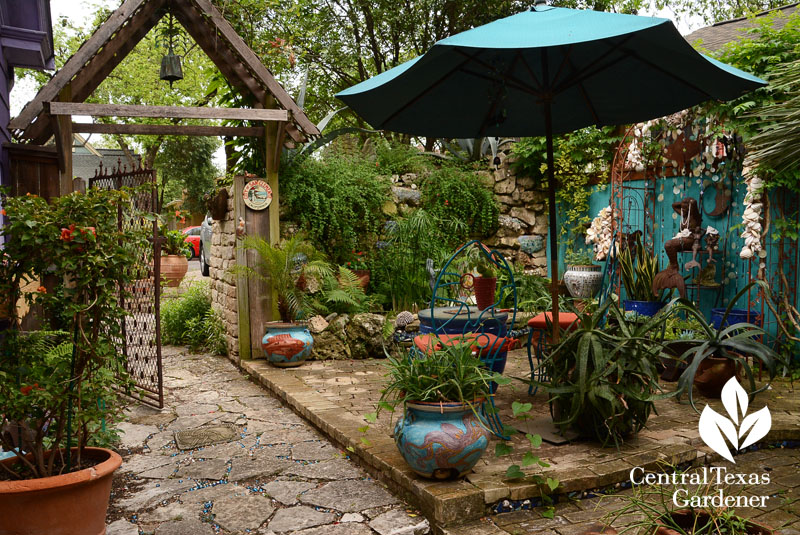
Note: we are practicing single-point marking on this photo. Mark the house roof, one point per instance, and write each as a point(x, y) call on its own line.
point(717, 35)
point(113, 40)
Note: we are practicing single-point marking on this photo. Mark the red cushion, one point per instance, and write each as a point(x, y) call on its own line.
point(485, 341)
point(565, 319)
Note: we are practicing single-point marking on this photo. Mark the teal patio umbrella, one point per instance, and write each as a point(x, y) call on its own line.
point(542, 72)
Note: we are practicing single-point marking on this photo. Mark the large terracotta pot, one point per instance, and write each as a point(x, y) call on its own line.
point(363, 277)
point(485, 288)
point(687, 519)
point(287, 344)
point(173, 269)
point(712, 374)
point(441, 440)
point(60, 505)
point(583, 282)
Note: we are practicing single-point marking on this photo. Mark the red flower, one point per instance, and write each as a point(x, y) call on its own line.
point(25, 390)
point(177, 213)
point(446, 202)
point(3, 211)
point(66, 233)
point(41, 290)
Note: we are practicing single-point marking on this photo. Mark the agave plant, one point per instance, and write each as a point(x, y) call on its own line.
point(285, 268)
point(736, 342)
point(637, 272)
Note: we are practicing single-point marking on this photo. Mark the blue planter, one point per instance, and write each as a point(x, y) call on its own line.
point(440, 441)
point(737, 315)
point(287, 344)
point(643, 308)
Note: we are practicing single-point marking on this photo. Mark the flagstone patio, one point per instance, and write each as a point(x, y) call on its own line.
point(335, 395)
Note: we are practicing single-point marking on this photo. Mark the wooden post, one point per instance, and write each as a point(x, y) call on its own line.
point(64, 142)
point(273, 134)
point(242, 290)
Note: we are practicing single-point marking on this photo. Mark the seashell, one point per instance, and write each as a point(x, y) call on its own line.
point(756, 207)
point(746, 253)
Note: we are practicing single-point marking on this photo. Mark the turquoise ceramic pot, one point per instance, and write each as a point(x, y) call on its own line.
point(287, 344)
point(440, 441)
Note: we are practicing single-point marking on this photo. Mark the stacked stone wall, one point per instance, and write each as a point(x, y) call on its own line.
point(223, 284)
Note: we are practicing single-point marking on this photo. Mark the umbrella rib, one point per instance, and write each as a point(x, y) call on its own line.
point(495, 101)
point(519, 84)
point(423, 93)
point(581, 77)
point(564, 63)
point(511, 82)
point(586, 98)
point(668, 73)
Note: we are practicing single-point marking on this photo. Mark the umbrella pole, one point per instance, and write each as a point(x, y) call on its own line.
point(551, 187)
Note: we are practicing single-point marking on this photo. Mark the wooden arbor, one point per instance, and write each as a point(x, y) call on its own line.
point(280, 121)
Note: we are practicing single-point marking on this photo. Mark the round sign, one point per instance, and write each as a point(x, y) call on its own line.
point(257, 195)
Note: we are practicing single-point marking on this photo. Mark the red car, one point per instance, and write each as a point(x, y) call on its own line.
point(193, 238)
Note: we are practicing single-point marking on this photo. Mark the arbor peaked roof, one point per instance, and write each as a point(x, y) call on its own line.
point(718, 35)
point(110, 43)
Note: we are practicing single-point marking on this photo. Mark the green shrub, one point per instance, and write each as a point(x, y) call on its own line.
point(453, 193)
point(190, 320)
point(398, 159)
point(337, 201)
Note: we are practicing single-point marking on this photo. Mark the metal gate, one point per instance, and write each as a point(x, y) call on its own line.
point(141, 329)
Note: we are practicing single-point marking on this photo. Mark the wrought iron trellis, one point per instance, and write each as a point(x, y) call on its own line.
point(141, 329)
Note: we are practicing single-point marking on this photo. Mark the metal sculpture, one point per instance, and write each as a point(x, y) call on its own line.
point(688, 239)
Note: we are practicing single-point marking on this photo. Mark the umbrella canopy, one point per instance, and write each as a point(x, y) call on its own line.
point(543, 72)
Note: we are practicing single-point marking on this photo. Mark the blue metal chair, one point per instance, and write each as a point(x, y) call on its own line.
point(450, 314)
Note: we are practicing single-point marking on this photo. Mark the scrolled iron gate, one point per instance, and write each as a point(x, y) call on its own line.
point(141, 330)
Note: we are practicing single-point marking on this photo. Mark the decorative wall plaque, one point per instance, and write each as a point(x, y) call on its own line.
point(257, 195)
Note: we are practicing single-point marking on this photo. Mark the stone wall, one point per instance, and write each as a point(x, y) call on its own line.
point(223, 285)
point(522, 233)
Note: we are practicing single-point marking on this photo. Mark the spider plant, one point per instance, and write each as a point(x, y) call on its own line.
point(284, 268)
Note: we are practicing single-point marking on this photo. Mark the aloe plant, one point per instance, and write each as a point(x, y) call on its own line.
point(603, 375)
point(637, 273)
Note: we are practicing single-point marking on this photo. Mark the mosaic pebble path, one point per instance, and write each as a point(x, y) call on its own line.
point(278, 477)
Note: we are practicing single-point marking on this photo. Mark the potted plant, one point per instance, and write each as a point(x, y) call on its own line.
point(637, 271)
point(583, 277)
point(175, 253)
point(59, 389)
point(441, 434)
point(285, 269)
point(485, 284)
point(603, 375)
point(714, 356)
point(360, 267)
point(678, 336)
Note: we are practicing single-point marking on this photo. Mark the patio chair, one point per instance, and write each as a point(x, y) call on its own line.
point(451, 318)
point(541, 327)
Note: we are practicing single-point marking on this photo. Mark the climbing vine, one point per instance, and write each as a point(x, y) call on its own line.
point(452, 193)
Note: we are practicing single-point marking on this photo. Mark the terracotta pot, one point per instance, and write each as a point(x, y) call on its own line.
point(60, 505)
point(484, 291)
point(687, 518)
point(712, 374)
point(173, 269)
point(363, 277)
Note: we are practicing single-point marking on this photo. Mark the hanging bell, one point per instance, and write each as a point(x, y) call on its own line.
point(171, 70)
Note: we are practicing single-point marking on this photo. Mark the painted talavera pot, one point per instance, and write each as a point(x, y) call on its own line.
point(441, 440)
point(287, 344)
point(64, 504)
point(583, 282)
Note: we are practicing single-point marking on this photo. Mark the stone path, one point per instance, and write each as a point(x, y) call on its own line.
point(278, 477)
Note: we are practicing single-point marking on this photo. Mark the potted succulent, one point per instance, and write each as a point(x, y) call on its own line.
point(583, 277)
point(603, 376)
point(441, 434)
point(175, 253)
point(286, 268)
point(485, 284)
point(59, 389)
point(714, 356)
point(637, 270)
point(678, 336)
